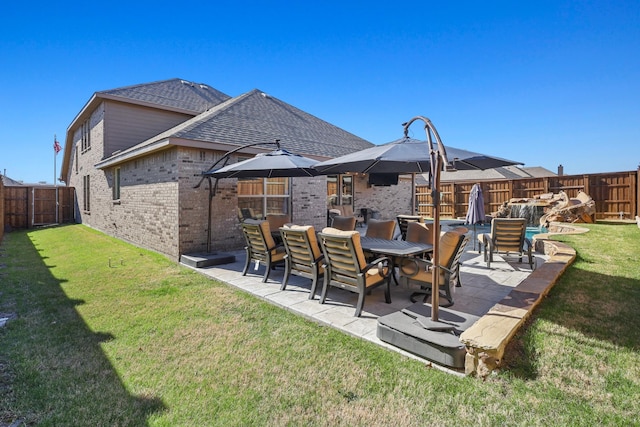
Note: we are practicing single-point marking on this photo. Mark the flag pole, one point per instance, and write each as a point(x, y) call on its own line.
point(56, 148)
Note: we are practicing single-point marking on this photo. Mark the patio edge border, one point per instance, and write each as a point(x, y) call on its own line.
point(487, 339)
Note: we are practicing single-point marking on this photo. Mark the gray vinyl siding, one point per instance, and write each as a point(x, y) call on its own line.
point(127, 125)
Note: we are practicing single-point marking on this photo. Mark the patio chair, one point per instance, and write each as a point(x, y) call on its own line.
point(508, 236)
point(304, 256)
point(261, 247)
point(346, 267)
point(419, 232)
point(246, 213)
point(346, 210)
point(417, 270)
point(277, 220)
point(381, 229)
point(344, 223)
point(404, 221)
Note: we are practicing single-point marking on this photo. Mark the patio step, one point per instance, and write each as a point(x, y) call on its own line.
point(200, 260)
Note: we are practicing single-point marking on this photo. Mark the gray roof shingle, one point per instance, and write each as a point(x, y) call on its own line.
point(256, 117)
point(173, 93)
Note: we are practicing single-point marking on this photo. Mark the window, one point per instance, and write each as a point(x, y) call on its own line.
point(116, 184)
point(265, 195)
point(86, 136)
point(86, 193)
point(339, 190)
point(75, 163)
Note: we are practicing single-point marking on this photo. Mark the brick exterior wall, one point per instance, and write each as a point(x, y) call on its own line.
point(310, 201)
point(147, 212)
point(308, 205)
point(160, 209)
point(389, 201)
point(85, 162)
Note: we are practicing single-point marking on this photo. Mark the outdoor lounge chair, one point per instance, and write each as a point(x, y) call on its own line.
point(261, 247)
point(304, 257)
point(346, 267)
point(344, 223)
point(416, 270)
point(404, 221)
point(508, 235)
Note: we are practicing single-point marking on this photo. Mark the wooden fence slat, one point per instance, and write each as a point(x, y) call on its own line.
point(25, 207)
point(612, 193)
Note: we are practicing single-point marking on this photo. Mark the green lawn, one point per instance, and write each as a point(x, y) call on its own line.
point(108, 334)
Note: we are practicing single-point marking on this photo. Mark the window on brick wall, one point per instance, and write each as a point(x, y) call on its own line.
point(339, 190)
point(86, 193)
point(75, 163)
point(86, 136)
point(116, 184)
point(265, 195)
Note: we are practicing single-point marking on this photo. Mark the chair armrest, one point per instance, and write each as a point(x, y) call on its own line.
point(417, 265)
point(276, 246)
point(381, 264)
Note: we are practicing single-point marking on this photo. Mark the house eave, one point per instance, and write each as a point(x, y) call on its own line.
point(141, 151)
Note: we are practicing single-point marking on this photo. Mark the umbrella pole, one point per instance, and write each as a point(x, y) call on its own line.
point(435, 271)
point(438, 158)
point(475, 236)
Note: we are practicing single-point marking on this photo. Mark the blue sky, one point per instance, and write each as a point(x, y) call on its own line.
point(544, 82)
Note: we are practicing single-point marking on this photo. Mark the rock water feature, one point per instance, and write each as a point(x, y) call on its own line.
point(549, 207)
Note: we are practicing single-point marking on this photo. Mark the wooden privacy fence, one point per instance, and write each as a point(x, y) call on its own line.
point(26, 207)
point(616, 195)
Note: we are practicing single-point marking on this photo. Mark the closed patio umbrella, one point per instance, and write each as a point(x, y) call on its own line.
point(475, 211)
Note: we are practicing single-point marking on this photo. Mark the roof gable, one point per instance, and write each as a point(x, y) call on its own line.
point(173, 94)
point(257, 117)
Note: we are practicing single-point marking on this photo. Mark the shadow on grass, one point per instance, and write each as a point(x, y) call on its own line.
point(597, 311)
point(53, 368)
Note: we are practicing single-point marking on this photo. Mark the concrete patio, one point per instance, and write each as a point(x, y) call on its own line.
point(481, 289)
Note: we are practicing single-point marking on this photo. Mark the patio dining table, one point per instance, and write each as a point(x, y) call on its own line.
point(395, 249)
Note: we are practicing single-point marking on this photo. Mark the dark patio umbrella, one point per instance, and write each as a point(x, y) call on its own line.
point(276, 164)
point(475, 211)
point(406, 155)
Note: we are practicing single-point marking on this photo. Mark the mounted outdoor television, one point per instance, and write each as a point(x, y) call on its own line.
point(383, 179)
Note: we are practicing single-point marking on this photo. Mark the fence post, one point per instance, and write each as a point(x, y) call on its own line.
point(1, 210)
point(637, 192)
